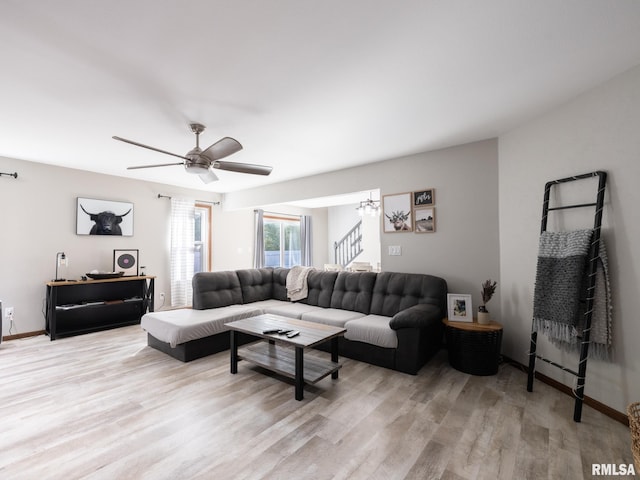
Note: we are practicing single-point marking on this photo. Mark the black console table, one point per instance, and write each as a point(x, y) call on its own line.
point(87, 306)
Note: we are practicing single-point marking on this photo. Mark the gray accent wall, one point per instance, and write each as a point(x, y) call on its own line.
point(596, 131)
point(465, 248)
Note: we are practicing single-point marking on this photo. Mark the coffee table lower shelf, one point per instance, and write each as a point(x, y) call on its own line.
point(282, 360)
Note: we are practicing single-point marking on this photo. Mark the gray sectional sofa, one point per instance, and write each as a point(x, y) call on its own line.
point(393, 320)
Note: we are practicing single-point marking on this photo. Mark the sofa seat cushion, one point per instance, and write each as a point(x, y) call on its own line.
point(331, 316)
point(291, 310)
point(264, 305)
point(373, 329)
point(183, 325)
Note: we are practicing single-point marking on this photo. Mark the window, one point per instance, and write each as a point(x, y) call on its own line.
point(202, 238)
point(281, 241)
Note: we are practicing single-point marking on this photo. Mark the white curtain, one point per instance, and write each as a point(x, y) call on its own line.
point(258, 251)
point(306, 246)
point(182, 250)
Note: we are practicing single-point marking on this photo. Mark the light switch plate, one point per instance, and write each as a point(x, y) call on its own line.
point(395, 250)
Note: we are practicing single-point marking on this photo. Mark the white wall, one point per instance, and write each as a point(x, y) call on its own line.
point(38, 220)
point(464, 250)
point(597, 131)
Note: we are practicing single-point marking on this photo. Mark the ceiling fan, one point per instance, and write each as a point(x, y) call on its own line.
point(202, 162)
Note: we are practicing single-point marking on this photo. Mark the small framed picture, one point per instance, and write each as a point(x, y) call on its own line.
point(459, 307)
point(424, 220)
point(397, 213)
point(424, 198)
point(126, 261)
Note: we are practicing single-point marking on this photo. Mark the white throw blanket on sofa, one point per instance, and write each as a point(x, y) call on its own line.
point(297, 287)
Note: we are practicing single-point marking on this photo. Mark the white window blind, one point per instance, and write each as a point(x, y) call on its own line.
point(182, 250)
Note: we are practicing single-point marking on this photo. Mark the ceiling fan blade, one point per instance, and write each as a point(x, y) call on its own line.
point(208, 177)
point(243, 167)
point(222, 148)
point(153, 166)
point(147, 146)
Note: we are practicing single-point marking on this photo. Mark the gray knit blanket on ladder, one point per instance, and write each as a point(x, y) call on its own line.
point(561, 288)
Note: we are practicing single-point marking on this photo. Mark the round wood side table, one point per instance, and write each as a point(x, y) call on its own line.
point(473, 348)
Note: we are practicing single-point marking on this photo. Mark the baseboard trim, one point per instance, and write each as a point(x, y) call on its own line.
point(18, 336)
point(595, 404)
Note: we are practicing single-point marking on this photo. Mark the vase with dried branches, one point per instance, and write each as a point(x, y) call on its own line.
point(488, 289)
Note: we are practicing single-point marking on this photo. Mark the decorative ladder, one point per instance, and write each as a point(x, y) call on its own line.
point(593, 257)
point(349, 247)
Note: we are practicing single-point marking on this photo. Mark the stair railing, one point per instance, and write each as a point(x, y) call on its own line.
point(349, 247)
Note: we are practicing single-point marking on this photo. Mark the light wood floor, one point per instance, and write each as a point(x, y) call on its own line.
point(106, 406)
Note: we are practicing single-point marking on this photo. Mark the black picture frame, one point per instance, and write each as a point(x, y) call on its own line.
point(424, 198)
point(126, 261)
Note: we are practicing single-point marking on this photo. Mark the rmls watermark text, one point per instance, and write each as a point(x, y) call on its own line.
point(612, 469)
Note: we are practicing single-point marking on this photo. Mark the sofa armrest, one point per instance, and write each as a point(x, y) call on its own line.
point(418, 316)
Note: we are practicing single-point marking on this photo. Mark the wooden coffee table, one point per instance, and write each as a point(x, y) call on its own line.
point(284, 355)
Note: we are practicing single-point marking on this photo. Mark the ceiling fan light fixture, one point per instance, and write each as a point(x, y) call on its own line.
point(208, 176)
point(196, 168)
point(201, 162)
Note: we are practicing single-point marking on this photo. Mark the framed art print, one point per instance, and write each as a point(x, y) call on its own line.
point(397, 213)
point(459, 308)
point(425, 220)
point(424, 198)
point(126, 261)
point(104, 217)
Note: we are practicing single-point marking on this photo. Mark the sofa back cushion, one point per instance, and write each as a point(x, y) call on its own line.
point(353, 291)
point(393, 292)
point(320, 284)
point(280, 283)
point(216, 289)
point(256, 284)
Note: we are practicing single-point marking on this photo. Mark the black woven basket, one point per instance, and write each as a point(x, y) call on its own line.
point(474, 352)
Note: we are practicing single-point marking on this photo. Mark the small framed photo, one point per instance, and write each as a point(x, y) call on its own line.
point(397, 213)
point(424, 220)
point(126, 261)
point(459, 307)
point(424, 198)
point(104, 217)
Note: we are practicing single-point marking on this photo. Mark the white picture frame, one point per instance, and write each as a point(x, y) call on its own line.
point(459, 307)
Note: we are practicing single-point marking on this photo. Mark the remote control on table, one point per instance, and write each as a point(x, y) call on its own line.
point(293, 334)
point(284, 331)
point(271, 330)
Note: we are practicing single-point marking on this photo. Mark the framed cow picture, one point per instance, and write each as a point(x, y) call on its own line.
point(397, 213)
point(104, 217)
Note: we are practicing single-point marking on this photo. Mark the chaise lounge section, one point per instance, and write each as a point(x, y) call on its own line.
point(393, 320)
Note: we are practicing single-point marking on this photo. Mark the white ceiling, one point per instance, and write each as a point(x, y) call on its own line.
point(306, 86)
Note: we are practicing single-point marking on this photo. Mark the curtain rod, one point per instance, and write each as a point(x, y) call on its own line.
point(14, 174)
point(199, 201)
point(278, 213)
